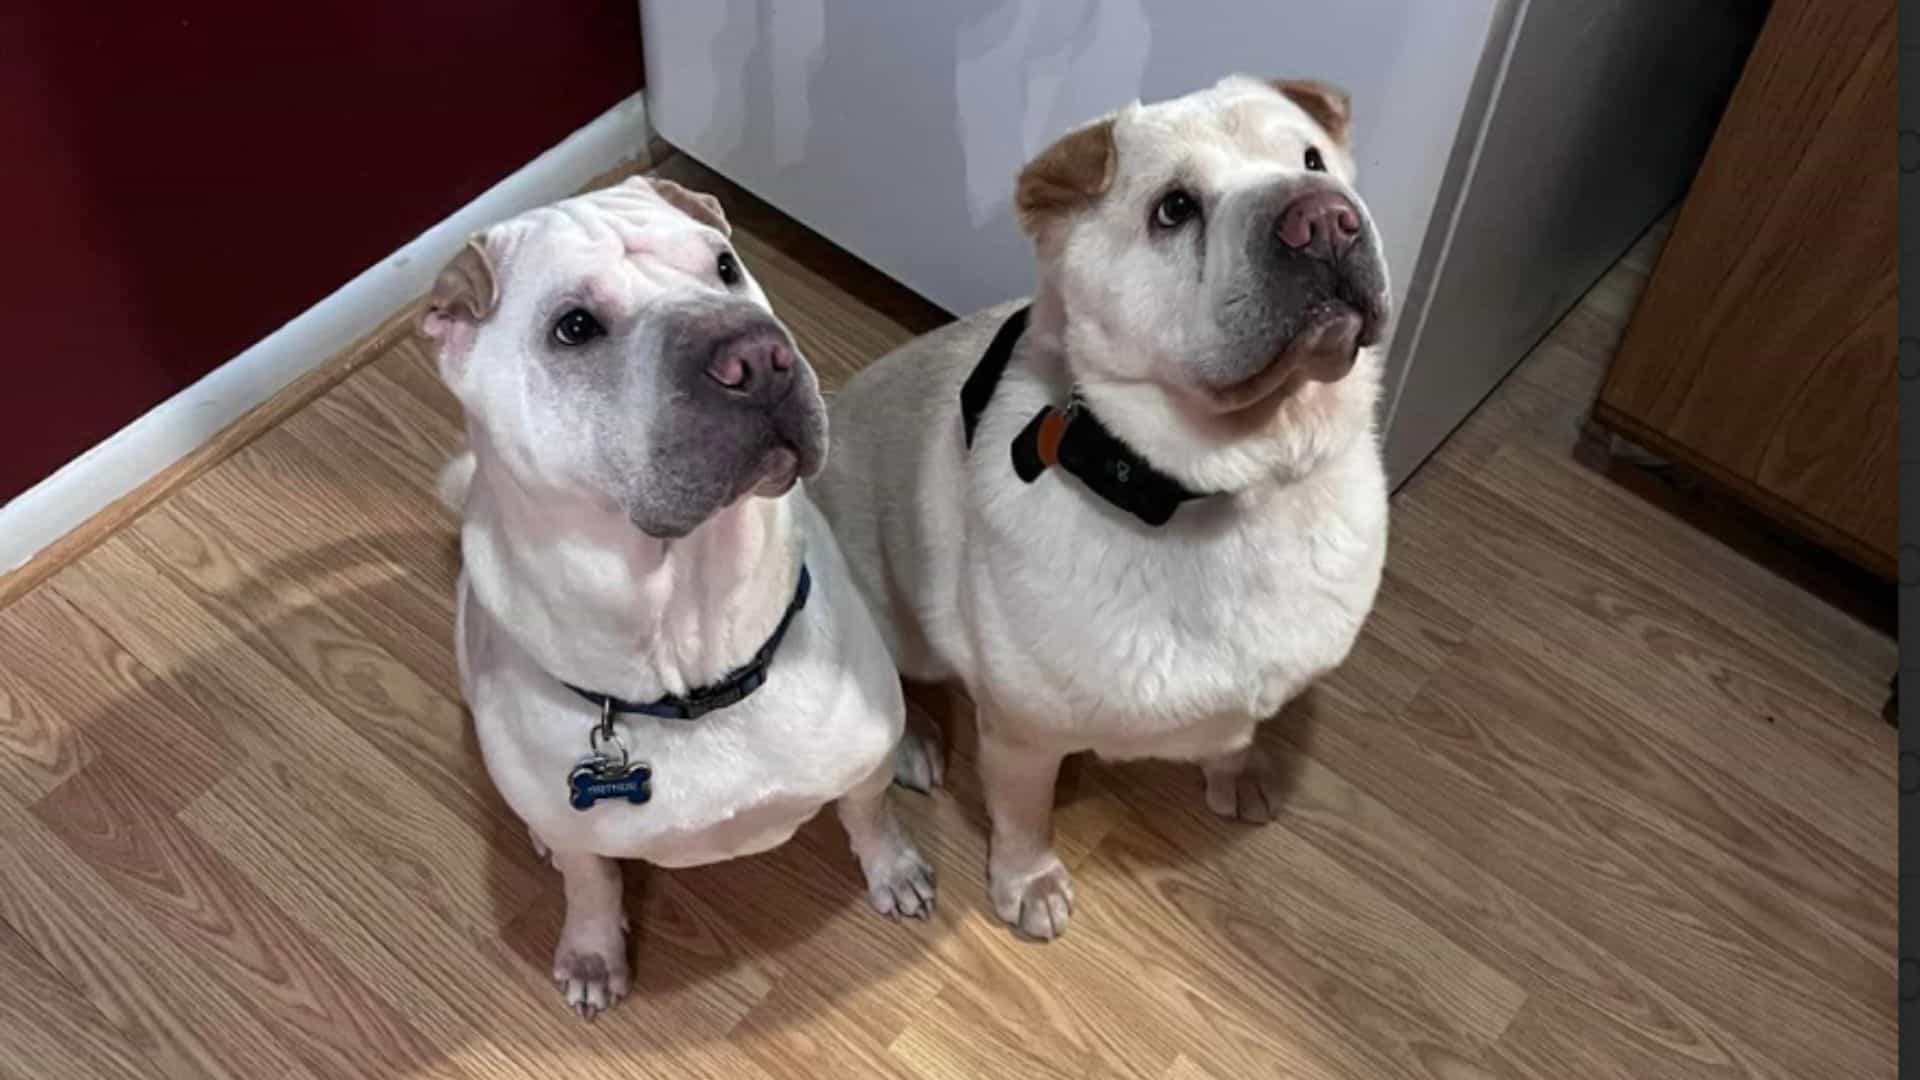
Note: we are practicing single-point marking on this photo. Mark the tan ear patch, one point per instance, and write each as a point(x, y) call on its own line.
point(465, 288)
point(1330, 106)
point(1066, 176)
point(697, 205)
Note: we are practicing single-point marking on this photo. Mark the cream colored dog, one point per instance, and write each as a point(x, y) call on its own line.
point(662, 646)
point(1141, 515)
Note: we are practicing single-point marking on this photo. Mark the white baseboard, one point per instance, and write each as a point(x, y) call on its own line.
point(179, 425)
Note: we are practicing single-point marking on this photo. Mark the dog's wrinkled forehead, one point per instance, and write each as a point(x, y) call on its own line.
point(1238, 132)
point(1240, 128)
point(627, 240)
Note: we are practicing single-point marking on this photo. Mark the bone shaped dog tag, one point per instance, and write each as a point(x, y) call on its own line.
point(603, 778)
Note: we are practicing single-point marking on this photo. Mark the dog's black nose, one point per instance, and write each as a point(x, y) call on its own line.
point(756, 366)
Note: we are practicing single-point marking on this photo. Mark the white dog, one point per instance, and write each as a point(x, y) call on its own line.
point(1139, 516)
point(662, 647)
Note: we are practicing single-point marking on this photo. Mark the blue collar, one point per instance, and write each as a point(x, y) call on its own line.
point(734, 688)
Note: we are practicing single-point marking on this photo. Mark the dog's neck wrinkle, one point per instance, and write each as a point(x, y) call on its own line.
point(603, 606)
point(1285, 451)
point(1043, 350)
point(1146, 416)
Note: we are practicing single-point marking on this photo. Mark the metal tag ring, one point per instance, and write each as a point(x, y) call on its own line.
point(598, 737)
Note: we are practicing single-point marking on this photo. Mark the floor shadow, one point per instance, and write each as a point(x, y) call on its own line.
point(1150, 791)
point(706, 942)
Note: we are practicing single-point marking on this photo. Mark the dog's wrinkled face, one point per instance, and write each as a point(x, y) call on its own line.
point(1212, 245)
point(614, 346)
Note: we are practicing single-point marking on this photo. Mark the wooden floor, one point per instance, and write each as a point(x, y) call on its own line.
point(1595, 797)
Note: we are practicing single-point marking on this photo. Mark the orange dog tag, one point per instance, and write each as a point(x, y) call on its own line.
point(1047, 442)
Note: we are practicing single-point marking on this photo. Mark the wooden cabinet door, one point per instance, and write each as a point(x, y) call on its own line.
point(1765, 349)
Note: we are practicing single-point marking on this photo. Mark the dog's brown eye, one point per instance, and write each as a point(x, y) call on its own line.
point(576, 328)
point(1175, 209)
point(1315, 163)
point(728, 268)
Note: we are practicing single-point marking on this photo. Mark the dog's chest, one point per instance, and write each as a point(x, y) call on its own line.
point(723, 793)
point(1135, 640)
point(735, 786)
point(736, 782)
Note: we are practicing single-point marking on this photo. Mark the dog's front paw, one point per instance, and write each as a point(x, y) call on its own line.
point(591, 971)
point(1037, 904)
point(1244, 787)
point(902, 886)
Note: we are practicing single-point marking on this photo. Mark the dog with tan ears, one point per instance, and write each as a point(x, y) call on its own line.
point(662, 646)
point(1140, 513)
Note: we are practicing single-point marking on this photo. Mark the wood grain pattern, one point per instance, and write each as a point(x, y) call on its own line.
point(148, 985)
point(1594, 797)
point(92, 687)
point(259, 420)
point(1761, 717)
point(39, 744)
point(1833, 453)
point(328, 774)
point(193, 895)
point(1765, 352)
point(334, 651)
point(43, 1020)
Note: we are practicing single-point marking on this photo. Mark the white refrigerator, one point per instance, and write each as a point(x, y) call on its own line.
point(1510, 149)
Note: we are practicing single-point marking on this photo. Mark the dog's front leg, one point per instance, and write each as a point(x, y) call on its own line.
point(920, 761)
point(590, 964)
point(899, 880)
point(1027, 882)
point(1242, 786)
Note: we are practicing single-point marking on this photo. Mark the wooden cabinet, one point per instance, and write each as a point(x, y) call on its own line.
point(1764, 352)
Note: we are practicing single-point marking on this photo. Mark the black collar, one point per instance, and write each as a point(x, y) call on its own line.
point(731, 690)
point(1074, 439)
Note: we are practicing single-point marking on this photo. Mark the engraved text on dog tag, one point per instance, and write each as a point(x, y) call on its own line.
point(601, 778)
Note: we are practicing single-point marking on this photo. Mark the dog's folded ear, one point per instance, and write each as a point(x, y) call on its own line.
point(464, 290)
point(463, 295)
point(1330, 106)
point(697, 205)
point(1065, 177)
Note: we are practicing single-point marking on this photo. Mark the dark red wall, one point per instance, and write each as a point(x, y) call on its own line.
point(179, 179)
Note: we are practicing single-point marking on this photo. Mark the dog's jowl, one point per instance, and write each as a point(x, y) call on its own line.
point(663, 649)
point(1139, 513)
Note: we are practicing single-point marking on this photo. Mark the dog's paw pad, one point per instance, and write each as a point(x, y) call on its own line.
point(919, 763)
point(1039, 907)
point(905, 889)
